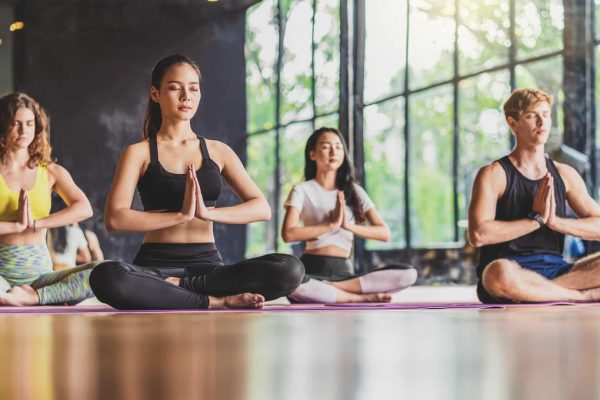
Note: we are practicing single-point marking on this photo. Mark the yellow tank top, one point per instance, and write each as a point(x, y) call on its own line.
point(39, 198)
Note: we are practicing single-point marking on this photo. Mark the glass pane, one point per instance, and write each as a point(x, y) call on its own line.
point(261, 167)
point(293, 141)
point(384, 167)
point(483, 36)
point(597, 16)
point(329, 121)
point(261, 53)
point(546, 75)
point(6, 47)
point(431, 42)
point(296, 75)
point(385, 48)
point(327, 55)
point(597, 52)
point(484, 135)
point(430, 172)
point(539, 26)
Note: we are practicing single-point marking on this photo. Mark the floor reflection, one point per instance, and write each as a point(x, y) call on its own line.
point(534, 353)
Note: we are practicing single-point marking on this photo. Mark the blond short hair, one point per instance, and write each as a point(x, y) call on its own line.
point(522, 100)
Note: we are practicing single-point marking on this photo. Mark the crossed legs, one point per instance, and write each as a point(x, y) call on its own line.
point(506, 279)
point(57, 287)
point(374, 286)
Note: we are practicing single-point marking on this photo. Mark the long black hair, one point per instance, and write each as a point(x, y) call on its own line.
point(345, 179)
point(153, 117)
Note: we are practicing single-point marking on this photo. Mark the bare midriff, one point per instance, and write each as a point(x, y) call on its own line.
point(332, 251)
point(194, 231)
point(27, 237)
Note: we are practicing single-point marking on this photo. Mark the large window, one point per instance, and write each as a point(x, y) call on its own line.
point(435, 74)
point(435, 77)
point(292, 63)
point(596, 52)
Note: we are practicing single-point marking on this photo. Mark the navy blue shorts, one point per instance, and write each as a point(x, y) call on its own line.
point(550, 266)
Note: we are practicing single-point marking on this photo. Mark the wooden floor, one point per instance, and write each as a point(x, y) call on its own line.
point(529, 353)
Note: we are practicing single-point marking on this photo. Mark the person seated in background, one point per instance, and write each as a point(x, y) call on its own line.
point(326, 211)
point(70, 245)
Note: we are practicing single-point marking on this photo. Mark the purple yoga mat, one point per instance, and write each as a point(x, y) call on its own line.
point(102, 309)
point(552, 303)
point(267, 308)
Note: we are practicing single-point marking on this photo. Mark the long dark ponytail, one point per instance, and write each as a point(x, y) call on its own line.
point(153, 117)
point(345, 177)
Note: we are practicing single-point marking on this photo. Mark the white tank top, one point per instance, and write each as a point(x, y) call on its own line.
point(315, 205)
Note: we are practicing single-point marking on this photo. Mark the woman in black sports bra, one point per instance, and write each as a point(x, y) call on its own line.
point(178, 176)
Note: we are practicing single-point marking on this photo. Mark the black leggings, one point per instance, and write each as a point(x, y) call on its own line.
point(328, 268)
point(202, 273)
point(337, 269)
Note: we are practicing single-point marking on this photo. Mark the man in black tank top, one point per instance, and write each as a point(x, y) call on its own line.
point(517, 216)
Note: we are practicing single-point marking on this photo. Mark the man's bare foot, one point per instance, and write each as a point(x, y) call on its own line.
point(346, 297)
point(591, 295)
point(20, 296)
point(172, 280)
point(244, 300)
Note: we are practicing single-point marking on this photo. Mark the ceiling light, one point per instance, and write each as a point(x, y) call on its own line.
point(17, 25)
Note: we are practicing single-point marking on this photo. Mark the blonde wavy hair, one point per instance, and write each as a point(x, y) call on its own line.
point(40, 152)
point(522, 100)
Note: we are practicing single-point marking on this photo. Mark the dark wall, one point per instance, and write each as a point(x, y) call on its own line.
point(6, 47)
point(89, 62)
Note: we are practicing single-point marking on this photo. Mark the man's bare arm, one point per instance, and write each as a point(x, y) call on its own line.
point(484, 229)
point(587, 226)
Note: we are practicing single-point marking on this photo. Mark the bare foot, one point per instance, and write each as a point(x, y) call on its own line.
point(346, 297)
point(172, 280)
point(5, 299)
point(244, 300)
point(591, 294)
point(20, 296)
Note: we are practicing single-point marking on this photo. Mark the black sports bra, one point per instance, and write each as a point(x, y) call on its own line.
point(162, 190)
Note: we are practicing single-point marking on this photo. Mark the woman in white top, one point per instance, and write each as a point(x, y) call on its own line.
point(326, 211)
